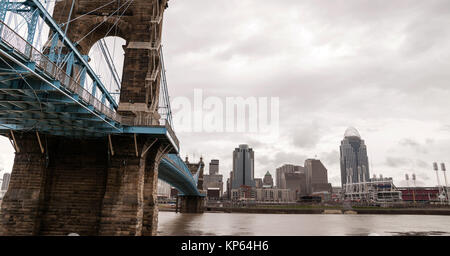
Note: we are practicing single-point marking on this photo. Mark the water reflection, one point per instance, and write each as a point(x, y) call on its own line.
point(238, 224)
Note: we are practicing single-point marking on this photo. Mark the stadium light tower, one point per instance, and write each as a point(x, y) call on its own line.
point(414, 187)
point(436, 168)
point(446, 185)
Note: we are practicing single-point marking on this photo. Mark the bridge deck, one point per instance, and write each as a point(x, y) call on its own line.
point(36, 94)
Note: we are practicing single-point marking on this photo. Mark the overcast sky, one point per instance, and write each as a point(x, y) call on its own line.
point(380, 66)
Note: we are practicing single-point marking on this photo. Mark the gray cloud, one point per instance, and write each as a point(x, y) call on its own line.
point(397, 161)
point(422, 164)
point(418, 147)
point(306, 136)
point(370, 64)
point(330, 158)
point(334, 180)
point(377, 65)
point(409, 143)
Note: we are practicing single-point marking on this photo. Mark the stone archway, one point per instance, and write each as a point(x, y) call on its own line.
point(139, 22)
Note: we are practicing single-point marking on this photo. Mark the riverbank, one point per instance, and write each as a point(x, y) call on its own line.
point(318, 209)
point(397, 211)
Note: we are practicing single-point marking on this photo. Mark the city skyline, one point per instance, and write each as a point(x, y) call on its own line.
point(333, 65)
point(381, 62)
point(431, 178)
point(152, 118)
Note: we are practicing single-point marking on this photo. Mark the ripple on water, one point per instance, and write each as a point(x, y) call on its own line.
point(302, 225)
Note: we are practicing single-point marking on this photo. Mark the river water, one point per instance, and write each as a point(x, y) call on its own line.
point(242, 224)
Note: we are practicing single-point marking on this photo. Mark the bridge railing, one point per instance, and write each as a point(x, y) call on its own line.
point(51, 69)
point(181, 166)
point(172, 133)
point(29, 53)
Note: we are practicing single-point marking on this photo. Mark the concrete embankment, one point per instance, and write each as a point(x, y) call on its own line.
point(406, 211)
point(332, 212)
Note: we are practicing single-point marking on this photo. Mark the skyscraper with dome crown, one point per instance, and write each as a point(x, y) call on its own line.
point(354, 160)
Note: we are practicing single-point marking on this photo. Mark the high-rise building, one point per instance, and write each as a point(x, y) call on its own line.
point(214, 182)
point(268, 180)
point(354, 160)
point(5, 183)
point(243, 167)
point(258, 182)
point(214, 167)
point(274, 195)
point(229, 186)
point(296, 182)
point(163, 189)
point(281, 171)
point(316, 177)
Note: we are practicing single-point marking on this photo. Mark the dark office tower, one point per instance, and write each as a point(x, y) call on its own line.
point(229, 185)
point(243, 167)
point(281, 173)
point(296, 182)
point(316, 176)
point(214, 167)
point(354, 160)
point(5, 183)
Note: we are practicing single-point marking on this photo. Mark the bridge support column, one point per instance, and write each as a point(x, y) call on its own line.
point(21, 206)
point(192, 204)
point(56, 192)
point(77, 187)
point(130, 202)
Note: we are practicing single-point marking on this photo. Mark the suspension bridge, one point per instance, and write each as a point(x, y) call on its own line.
point(87, 159)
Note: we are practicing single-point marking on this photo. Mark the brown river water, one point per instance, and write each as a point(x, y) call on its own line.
point(243, 224)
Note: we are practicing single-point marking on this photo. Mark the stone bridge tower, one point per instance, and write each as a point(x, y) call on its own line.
point(139, 23)
point(193, 204)
point(79, 185)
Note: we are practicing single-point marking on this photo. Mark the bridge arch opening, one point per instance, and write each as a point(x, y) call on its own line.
point(6, 156)
point(107, 59)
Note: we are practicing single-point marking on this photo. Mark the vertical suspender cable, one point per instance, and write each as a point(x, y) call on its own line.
point(65, 30)
point(166, 99)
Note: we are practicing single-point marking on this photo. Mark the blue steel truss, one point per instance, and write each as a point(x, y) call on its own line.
point(41, 92)
point(74, 56)
point(174, 171)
